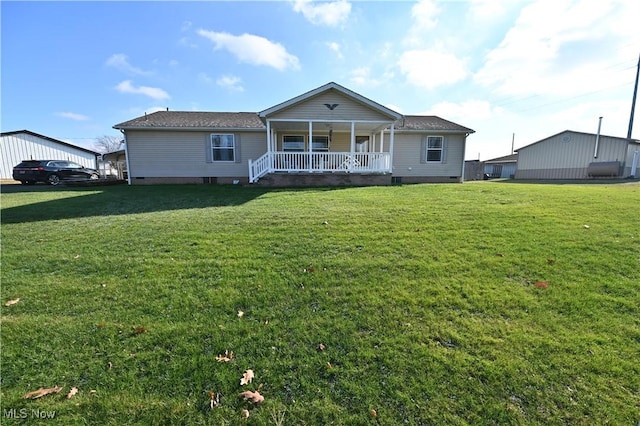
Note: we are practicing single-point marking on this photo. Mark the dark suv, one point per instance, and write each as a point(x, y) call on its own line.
point(51, 171)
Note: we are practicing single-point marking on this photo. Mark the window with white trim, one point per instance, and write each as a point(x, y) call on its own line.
point(293, 143)
point(223, 147)
point(320, 143)
point(434, 148)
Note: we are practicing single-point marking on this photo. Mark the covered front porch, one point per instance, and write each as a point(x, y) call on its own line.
point(325, 146)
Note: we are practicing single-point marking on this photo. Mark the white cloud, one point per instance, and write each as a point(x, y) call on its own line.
point(561, 48)
point(425, 14)
point(335, 48)
point(430, 69)
point(73, 116)
point(120, 61)
point(230, 82)
point(331, 14)
point(152, 92)
point(254, 50)
point(469, 110)
point(362, 77)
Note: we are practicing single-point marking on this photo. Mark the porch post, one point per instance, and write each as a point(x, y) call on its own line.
point(382, 140)
point(353, 145)
point(269, 142)
point(310, 146)
point(391, 134)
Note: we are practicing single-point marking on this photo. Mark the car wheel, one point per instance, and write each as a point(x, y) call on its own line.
point(94, 176)
point(53, 179)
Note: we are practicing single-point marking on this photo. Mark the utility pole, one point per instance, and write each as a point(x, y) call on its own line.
point(633, 102)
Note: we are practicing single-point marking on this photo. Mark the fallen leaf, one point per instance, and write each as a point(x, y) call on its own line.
point(329, 366)
point(72, 392)
point(325, 223)
point(228, 356)
point(139, 330)
point(321, 347)
point(240, 314)
point(42, 392)
point(12, 302)
point(247, 377)
point(253, 397)
point(109, 365)
point(541, 284)
point(374, 413)
point(586, 226)
point(77, 256)
point(551, 261)
point(500, 254)
point(245, 414)
point(309, 269)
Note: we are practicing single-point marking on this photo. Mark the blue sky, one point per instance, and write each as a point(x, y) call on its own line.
point(72, 70)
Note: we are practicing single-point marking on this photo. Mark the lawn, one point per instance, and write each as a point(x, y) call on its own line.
point(480, 303)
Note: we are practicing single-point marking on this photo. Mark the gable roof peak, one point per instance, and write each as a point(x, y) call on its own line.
point(325, 88)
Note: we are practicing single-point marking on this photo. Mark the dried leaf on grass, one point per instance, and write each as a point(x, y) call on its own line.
point(139, 330)
point(321, 347)
point(72, 392)
point(541, 284)
point(253, 397)
point(247, 377)
point(42, 392)
point(228, 356)
point(240, 314)
point(12, 302)
point(245, 414)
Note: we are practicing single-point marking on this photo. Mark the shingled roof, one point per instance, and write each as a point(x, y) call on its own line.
point(429, 122)
point(251, 121)
point(194, 120)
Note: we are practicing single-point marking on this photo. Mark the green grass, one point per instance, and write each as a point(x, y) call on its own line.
point(424, 297)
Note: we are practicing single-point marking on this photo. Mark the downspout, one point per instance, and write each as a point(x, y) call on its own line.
point(595, 151)
point(126, 156)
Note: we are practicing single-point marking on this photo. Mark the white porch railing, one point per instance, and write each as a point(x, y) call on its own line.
point(319, 162)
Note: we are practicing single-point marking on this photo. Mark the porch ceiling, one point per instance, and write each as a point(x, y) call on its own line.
point(325, 126)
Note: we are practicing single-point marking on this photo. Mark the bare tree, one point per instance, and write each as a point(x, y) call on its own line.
point(106, 143)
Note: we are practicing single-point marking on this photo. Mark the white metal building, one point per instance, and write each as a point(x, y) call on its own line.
point(26, 145)
point(577, 155)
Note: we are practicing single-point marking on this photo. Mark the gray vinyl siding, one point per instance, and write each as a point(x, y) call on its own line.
point(24, 146)
point(568, 155)
point(184, 153)
point(407, 155)
point(347, 109)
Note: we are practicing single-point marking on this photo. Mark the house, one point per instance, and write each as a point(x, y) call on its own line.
point(327, 136)
point(501, 167)
point(577, 155)
point(26, 145)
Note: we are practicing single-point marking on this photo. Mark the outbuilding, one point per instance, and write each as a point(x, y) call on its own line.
point(26, 145)
point(576, 155)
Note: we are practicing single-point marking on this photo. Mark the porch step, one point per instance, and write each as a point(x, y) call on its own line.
point(327, 179)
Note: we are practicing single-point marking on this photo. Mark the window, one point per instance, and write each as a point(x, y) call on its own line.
point(434, 148)
point(320, 143)
point(223, 147)
point(293, 143)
